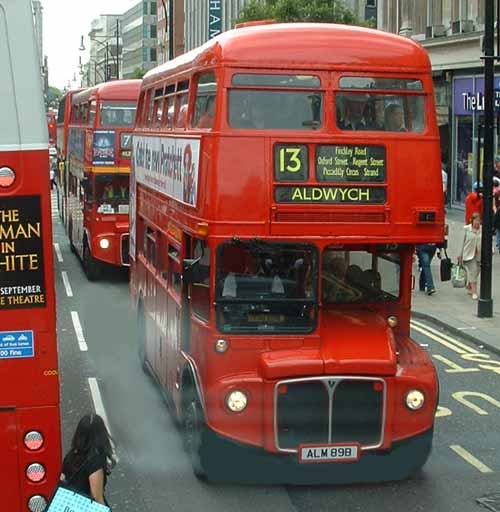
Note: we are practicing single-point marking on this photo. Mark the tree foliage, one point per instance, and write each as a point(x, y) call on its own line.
point(138, 73)
point(322, 11)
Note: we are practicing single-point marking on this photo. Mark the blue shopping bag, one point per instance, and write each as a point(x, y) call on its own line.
point(67, 500)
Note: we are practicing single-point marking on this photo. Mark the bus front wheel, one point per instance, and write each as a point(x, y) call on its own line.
point(90, 265)
point(193, 426)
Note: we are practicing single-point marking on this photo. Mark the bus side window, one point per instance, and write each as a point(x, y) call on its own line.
point(150, 246)
point(204, 109)
point(92, 113)
point(174, 269)
point(200, 287)
point(181, 111)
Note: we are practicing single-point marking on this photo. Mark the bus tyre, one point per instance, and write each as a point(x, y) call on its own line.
point(71, 244)
point(90, 265)
point(193, 426)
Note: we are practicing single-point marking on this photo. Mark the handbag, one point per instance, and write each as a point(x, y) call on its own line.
point(445, 267)
point(65, 498)
point(458, 276)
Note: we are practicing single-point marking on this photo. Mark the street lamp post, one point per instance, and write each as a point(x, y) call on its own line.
point(485, 304)
point(107, 52)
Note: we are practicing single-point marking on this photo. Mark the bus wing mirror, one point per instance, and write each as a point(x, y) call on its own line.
point(190, 268)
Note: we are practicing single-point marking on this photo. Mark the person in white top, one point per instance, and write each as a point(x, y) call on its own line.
point(470, 255)
point(444, 177)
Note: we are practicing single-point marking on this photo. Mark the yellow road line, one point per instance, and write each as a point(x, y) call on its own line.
point(465, 347)
point(468, 457)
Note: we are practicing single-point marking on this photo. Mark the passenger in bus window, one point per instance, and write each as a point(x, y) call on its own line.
point(355, 112)
point(394, 120)
point(207, 118)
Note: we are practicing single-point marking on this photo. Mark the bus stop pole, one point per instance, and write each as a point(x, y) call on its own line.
point(485, 304)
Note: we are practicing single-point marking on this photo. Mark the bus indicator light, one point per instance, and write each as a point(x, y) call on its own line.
point(7, 177)
point(33, 440)
point(37, 503)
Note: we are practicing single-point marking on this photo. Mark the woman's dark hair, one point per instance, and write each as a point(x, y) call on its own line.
point(91, 437)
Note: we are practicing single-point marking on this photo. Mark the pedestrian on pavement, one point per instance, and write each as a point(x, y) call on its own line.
point(444, 177)
point(90, 459)
point(474, 202)
point(425, 253)
point(470, 255)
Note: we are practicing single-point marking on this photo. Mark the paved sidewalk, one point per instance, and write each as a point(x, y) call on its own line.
point(452, 308)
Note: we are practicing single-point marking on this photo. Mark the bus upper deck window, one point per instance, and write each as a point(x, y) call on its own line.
point(361, 108)
point(275, 110)
point(275, 102)
point(380, 112)
point(204, 108)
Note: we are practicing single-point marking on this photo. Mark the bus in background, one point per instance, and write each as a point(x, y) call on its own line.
point(277, 193)
point(30, 434)
point(63, 118)
point(97, 173)
point(52, 128)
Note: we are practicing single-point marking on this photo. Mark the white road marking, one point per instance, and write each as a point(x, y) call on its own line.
point(67, 286)
point(99, 405)
point(444, 337)
point(79, 331)
point(468, 457)
point(58, 252)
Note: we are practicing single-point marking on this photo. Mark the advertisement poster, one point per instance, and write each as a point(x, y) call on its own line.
point(22, 279)
point(103, 152)
point(168, 165)
point(132, 210)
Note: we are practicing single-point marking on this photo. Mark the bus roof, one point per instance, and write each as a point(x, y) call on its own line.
point(114, 90)
point(303, 46)
point(23, 123)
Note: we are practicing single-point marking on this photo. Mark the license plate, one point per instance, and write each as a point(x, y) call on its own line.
point(329, 453)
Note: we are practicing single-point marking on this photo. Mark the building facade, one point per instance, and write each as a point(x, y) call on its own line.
point(452, 32)
point(139, 34)
point(38, 22)
point(198, 27)
point(164, 33)
point(105, 59)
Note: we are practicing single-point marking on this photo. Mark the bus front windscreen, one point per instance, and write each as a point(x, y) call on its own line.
point(264, 287)
point(117, 115)
point(359, 277)
point(111, 193)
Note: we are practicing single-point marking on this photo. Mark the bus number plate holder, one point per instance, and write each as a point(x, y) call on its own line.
point(313, 454)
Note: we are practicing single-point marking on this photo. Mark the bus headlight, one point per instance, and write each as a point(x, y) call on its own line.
point(236, 401)
point(37, 503)
point(104, 243)
point(415, 400)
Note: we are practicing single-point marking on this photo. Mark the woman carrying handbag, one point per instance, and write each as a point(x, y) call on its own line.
point(470, 255)
point(90, 459)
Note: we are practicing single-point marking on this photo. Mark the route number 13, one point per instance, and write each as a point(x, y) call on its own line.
point(290, 163)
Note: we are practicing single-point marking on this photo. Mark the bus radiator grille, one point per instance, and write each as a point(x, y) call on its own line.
point(303, 415)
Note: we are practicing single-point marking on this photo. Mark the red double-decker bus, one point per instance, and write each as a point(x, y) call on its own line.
point(281, 177)
point(63, 119)
point(30, 442)
point(97, 173)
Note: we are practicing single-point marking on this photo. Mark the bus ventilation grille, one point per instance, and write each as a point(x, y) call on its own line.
point(303, 413)
point(330, 217)
point(125, 250)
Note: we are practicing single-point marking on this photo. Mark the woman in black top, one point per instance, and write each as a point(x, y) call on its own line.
point(90, 458)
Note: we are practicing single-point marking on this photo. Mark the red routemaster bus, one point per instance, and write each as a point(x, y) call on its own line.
point(63, 119)
point(97, 173)
point(282, 175)
point(30, 439)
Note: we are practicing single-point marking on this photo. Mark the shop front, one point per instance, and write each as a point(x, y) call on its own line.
point(467, 134)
